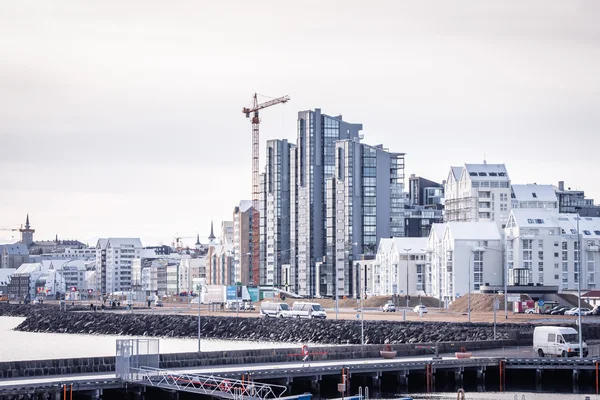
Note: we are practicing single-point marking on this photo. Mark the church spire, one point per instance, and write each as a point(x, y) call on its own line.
point(27, 222)
point(212, 236)
point(197, 239)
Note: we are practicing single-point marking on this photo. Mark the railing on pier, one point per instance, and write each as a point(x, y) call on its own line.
point(209, 385)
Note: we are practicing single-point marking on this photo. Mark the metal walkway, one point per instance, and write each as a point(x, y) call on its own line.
point(209, 385)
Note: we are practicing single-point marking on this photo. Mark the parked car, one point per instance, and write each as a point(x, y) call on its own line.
point(575, 311)
point(530, 311)
point(420, 308)
point(158, 303)
point(550, 310)
point(560, 311)
point(389, 307)
point(248, 306)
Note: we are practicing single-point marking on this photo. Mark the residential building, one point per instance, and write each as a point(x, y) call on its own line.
point(314, 158)
point(400, 267)
point(426, 193)
point(68, 253)
point(5, 274)
point(468, 255)
point(574, 201)
point(14, 255)
point(226, 236)
point(242, 241)
point(478, 192)
point(418, 220)
point(534, 196)
point(364, 202)
point(23, 282)
point(542, 248)
point(219, 265)
point(275, 219)
point(114, 257)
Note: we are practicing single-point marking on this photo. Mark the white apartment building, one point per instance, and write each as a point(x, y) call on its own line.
point(88, 253)
point(400, 267)
point(463, 248)
point(114, 258)
point(534, 196)
point(478, 192)
point(542, 248)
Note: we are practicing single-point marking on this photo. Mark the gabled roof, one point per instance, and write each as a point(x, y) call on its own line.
point(101, 244)
point(456, 171)
point(16, 249)
point(28, 268)
point(385, 245)
point(531, 217)
point(118, 242)
point(245, 205)
point(416, 245)
point(487, 168)
point(438, 230)
point(480, 230)
point(545, 193)
point(592, 293)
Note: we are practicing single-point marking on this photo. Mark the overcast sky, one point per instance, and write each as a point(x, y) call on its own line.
point(123, 118)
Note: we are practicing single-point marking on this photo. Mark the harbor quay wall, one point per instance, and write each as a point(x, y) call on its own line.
point(30, 368)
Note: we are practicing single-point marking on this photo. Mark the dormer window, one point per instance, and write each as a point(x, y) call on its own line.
point(493, 174)
point(473, 173)
point(534, 195)
point(587, 232)
point(501, 174)
point(482, 174)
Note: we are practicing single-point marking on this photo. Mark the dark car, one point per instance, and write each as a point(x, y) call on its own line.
point(560, 311)
point(550, 311)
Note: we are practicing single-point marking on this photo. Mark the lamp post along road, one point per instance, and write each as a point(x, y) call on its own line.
point(407, 250)
point(469, 292)
point(199, 325)
point(579, 269)
point(438, 274)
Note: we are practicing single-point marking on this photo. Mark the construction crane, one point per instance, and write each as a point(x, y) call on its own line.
point(255, 120)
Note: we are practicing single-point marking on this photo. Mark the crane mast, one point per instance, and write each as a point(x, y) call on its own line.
point(252, 113)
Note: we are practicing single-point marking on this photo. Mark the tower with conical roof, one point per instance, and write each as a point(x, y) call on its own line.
point(212, 236)
point(198, 244)
point(27, 233)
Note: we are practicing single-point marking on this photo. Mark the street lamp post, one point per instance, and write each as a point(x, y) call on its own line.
point(579, 270)
point(199, 326)
point(469, 292)
point(407, 290)
point(438, 275)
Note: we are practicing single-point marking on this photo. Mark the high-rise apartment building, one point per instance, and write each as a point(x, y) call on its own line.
point(242, 241)
point(364, 202)
point(314, 159)
point(478, 192)
point(275, 213)
point(114, 257)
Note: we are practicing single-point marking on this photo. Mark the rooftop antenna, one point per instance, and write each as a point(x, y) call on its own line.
point(484, 160)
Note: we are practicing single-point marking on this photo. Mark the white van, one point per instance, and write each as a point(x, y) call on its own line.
point(276, 310)
point(557, 341)
point(308, 310)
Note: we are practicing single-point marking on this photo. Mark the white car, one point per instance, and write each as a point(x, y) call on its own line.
point(530, 311)
point(389, 307)
point(420, 309)
point(575, 311)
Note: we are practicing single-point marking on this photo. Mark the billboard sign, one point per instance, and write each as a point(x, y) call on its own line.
point(253, 294)
point(231, 292)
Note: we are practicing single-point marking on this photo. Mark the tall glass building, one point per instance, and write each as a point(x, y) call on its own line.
point(364, 203)
point(275, 215)
point(314, 158)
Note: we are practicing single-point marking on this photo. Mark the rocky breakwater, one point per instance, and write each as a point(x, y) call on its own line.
point(50, 319)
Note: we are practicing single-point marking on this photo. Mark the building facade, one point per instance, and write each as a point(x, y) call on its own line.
point(242, 241)
point(314, 163)
point(462, 257)
point(275, 219)
point(14, 255)
point(364, 202)
point(400, 267)
point(534, 196)
point(478, 192)
point(114, 257)
point(423, 192)
point(542, 248)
